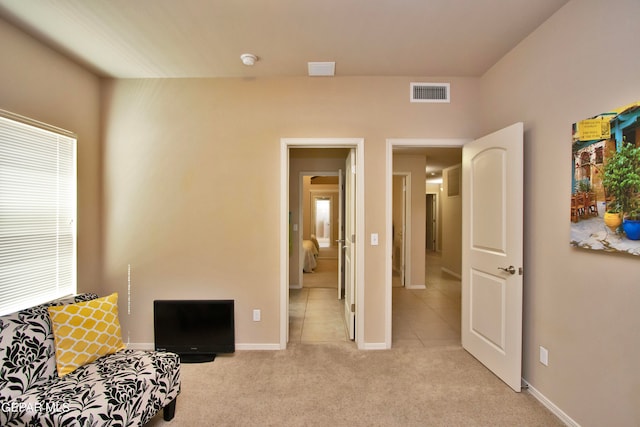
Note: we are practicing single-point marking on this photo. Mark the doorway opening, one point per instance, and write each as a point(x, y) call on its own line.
point(291, 241)
point(432, 223)
point(427, 245)
point(322, 220)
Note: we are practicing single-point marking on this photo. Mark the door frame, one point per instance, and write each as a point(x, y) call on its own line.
point(436, 216)
point(285, 145)
point(406, 228)
point(331, 196)
point(391, 144)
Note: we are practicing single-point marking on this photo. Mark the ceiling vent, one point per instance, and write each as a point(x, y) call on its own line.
point(322, 69)
point(430, 92)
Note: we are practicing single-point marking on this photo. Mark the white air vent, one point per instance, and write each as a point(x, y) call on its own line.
point(430, 92)
point(322, 68)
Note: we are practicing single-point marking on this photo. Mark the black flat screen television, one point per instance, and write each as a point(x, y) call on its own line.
point(197, 330)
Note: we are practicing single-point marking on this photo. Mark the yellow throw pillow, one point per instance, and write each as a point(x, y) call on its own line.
point(85, 331)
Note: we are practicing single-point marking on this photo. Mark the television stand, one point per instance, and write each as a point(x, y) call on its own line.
point(197, 358)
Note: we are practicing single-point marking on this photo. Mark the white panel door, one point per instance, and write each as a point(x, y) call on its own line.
point(340, 242)
point(349, 243)
point(492, 252)
point(400, 226)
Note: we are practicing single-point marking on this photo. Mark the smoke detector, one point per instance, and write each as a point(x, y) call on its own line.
point(248, 59)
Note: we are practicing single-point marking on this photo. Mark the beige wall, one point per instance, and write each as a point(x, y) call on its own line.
point(451, 225)
point(415, 166)
point(38, 83)
point(170, 143)
point(583, 306)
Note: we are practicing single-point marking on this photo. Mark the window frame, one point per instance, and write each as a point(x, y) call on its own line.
point(38, 222)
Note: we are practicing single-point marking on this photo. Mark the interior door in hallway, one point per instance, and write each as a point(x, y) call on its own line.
point(492, 253)
point(340, 243)
point(431, 225)
point(399, 200)
point(349, 243)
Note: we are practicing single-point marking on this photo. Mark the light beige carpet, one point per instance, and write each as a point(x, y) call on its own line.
point(338, 385)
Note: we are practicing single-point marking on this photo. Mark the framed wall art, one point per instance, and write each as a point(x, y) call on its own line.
point(605, 174)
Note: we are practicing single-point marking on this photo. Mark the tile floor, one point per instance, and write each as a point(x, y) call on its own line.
point(421, 318)
point(315, 315)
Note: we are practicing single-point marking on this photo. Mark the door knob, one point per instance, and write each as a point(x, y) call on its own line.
point(511, 269)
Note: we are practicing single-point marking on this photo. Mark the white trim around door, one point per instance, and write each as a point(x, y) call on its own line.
point(391, 144)
point(405, 229)
point(285, 145)
point(301, 210)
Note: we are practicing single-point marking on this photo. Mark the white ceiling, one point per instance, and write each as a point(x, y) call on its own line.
point(205, 38)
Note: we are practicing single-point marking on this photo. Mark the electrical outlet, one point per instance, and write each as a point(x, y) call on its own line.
point(544, 356)
point(256, 315)
point(374, 239)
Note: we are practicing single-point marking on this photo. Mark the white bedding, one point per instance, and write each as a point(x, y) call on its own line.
point(310, 257)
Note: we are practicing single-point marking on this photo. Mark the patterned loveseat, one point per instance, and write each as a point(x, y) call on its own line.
point(127, 388)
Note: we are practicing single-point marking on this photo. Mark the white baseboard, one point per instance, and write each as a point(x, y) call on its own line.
point(241, 346)
point(294, 286)
point(258, 346)
point(551, 406)
point(456, 275)
point(416, 287)
point(374, 346)
point(249, 346)
point(141, 346)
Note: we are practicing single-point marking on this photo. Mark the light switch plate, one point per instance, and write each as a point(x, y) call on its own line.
point(544, 356)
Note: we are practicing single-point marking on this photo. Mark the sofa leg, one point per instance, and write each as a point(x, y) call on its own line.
point(170, 410)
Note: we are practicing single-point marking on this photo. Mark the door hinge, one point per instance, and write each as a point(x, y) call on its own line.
point(353, 308)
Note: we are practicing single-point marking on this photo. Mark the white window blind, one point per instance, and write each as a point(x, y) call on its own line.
point(37, 213)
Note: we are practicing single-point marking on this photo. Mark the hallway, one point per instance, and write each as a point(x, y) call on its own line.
point(428, 317)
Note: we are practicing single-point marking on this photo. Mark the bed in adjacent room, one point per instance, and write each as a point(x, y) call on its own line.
point(311, 249)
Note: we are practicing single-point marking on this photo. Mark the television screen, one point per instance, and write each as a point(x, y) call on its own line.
point(196, 330)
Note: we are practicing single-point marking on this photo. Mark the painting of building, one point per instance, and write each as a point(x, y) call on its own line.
point(598, 217)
